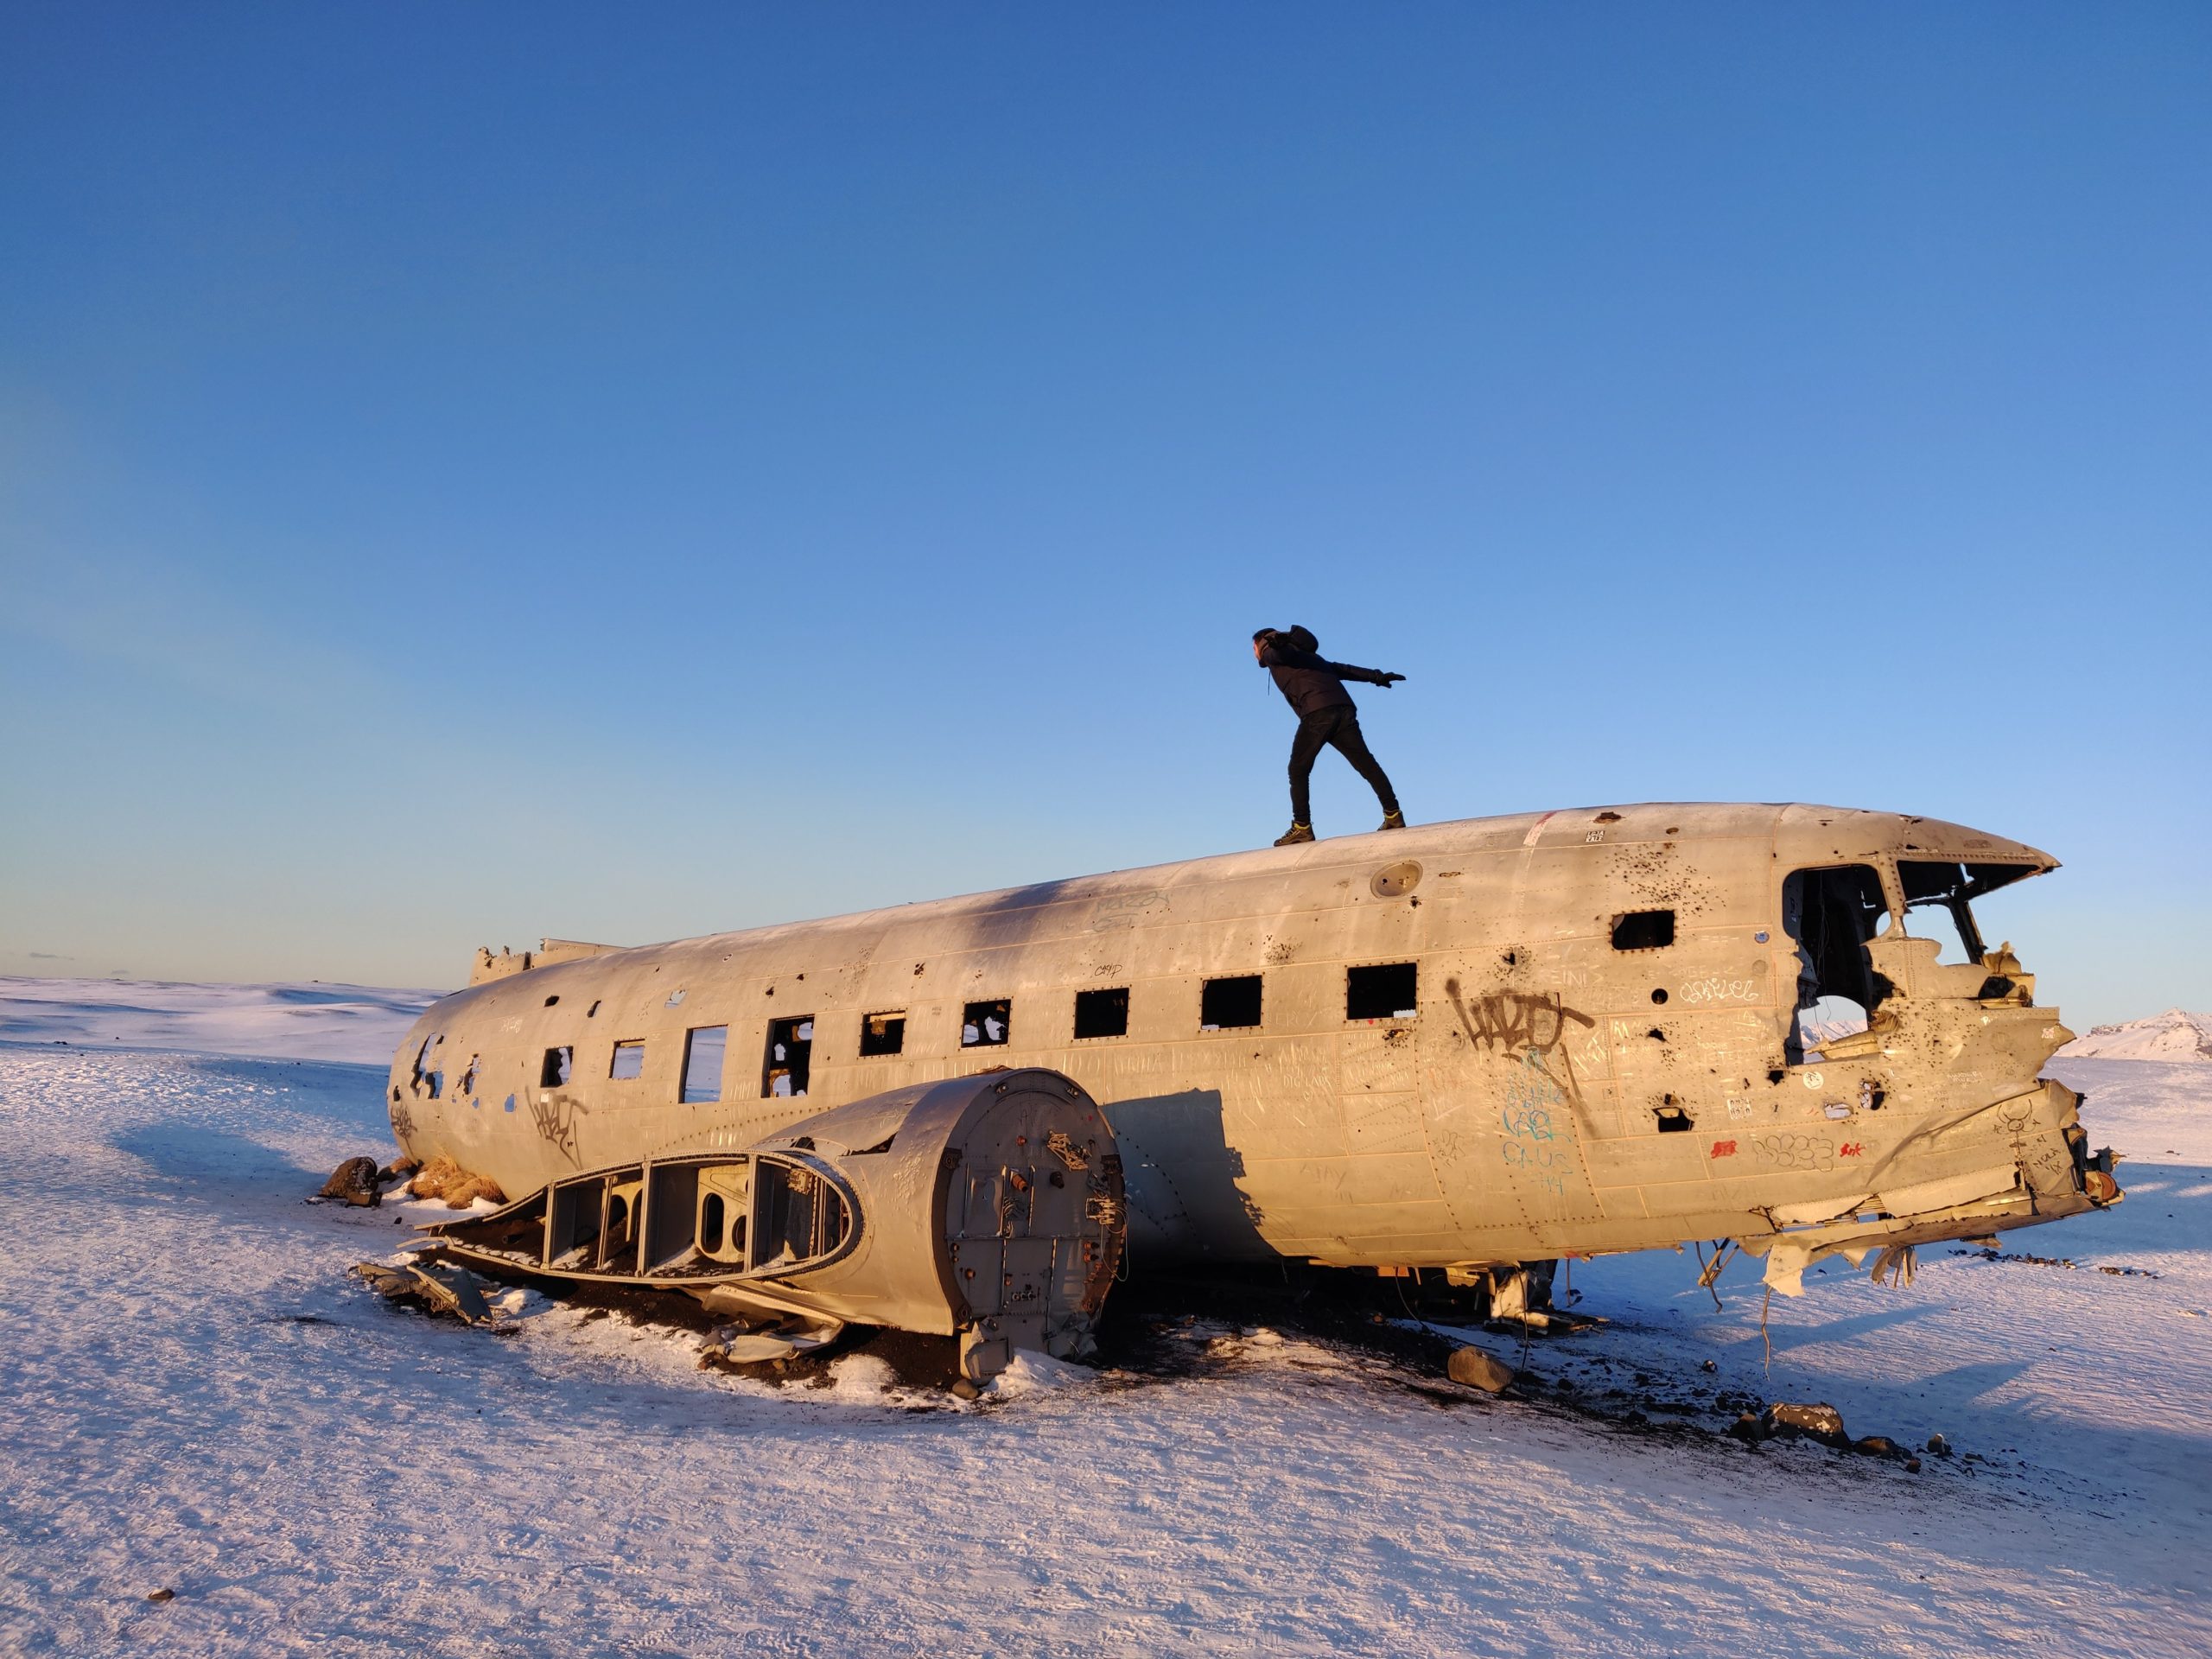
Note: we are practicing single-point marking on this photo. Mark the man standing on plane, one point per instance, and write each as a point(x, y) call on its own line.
point(1315, 691)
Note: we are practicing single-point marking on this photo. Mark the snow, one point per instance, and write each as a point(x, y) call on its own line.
point(2143, 1109)
point(197, 1396)
point(2172, 1035)
point(307, 1022)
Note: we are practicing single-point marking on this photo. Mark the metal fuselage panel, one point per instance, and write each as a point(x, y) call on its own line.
point(1552, 1093)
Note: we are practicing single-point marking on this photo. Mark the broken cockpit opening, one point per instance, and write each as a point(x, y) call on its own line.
point(1830, 914)
point(1942, 895)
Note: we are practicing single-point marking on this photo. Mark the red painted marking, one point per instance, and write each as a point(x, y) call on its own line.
point(1724, 1148)
point(1849, 1149)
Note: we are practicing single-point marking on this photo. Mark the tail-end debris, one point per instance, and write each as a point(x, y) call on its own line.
point(989, 1208)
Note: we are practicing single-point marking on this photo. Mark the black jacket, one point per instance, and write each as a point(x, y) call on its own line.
point(1309, 682)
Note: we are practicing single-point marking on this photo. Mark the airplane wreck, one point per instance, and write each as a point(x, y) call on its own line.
point(1468, 1047)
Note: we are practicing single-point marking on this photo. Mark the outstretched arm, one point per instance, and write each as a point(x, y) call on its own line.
point(1369, 676)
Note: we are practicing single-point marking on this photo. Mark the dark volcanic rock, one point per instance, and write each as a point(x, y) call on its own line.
point(1815, 1422)
point(1478, 1371)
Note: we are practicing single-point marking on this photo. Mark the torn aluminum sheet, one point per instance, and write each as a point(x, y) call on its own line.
point(436, 1286)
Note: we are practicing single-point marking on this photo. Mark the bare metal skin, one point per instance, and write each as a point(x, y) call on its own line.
point(1557, 1085)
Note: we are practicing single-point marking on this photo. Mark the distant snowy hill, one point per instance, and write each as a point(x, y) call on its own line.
point(2173, 1035)
point(357, 1023)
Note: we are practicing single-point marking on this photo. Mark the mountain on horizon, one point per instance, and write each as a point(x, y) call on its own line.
point(2173, 1035)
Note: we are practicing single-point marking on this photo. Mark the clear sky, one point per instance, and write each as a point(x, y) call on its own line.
point(479, 472)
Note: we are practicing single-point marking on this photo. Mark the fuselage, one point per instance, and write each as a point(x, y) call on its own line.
point(1475, 1042)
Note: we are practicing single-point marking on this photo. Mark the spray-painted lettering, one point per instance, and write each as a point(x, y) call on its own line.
point(555, 1116)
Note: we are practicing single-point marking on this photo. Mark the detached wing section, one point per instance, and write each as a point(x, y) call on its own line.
point(989, 1208)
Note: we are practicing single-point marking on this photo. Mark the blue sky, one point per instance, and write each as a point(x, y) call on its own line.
point(473, 472)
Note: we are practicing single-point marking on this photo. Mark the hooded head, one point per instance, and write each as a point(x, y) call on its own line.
point(1302, 638)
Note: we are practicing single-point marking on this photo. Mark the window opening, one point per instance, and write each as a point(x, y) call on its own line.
point(881, 1034)
point(796, 1214)
point(1831, 914)
point(1101, 1013)
point(724, 1200)
point(579, 1212)
point(703, 1047)
point(1643, 930)
point(629, 1061)
point(1230, 1004)
point(555, 1072)
point(987, 1025)
point(1945, 891)
point(618, 1239)
point(1940, 922)
point(790, 1049)
point(1383, 992)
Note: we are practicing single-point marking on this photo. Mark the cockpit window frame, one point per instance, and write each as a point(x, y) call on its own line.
point(1922, 884)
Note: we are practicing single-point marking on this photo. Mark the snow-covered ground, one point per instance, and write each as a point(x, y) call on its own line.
point(294, 1022)
point(193, 1396)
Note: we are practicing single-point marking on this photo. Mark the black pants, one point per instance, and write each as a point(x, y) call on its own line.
point(1340, 725)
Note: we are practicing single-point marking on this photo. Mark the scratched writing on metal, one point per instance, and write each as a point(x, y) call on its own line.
point(2015, 1123)
point(1717, 989)
point(556, 1118)
point(1126, 909)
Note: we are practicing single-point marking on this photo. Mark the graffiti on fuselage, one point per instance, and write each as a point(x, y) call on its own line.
point(555, 1116)
point(1529, 1027)
point(1531, 1143)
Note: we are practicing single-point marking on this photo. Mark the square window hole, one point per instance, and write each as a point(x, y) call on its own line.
point(1643, 930)
point(790, 1056)
point(555, 1072)
point(1386, 991)
point(629, 1061)
point(882, 1033)
point(1102, 1013)
point(987, 1025)
point(703, 1049)
point(1230, 1004)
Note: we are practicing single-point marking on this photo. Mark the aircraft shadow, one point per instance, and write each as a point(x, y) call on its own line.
point(1183, 1133)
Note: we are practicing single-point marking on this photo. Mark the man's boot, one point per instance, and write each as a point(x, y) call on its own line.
point(1295, 834)
point(1393, 819)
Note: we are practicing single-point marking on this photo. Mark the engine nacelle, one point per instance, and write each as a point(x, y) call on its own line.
point(988, 1207)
